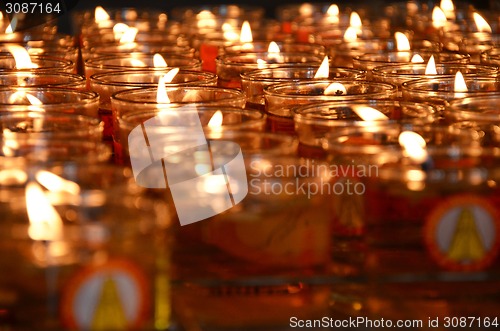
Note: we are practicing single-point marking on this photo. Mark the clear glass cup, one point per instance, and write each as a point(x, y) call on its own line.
point(136, 61)
point(231, 66)
point(32, 125)
point(313, 122)
point(253, 82)
point(44, 63)
point(102, 245)
point(477, 109)
point(282, 98)
point(439, 91)
point(53, 99)
point(42, 79)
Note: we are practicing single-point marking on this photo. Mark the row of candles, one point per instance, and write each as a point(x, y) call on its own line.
point(370, 146)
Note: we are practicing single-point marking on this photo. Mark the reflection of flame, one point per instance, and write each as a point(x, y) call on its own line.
point(323, 70)
point(159, 61)
point(459, 85)
point(119, 29)
point(402, 42)
point(192, 96)
point(368, 113)
point(414, 146)
point(430, 69)
point(161, 92)
point(335, 89)
point(246, 33)
point(215, 184)
point(481, 24)
point(229, 32)
point(448, 9)
point(215, 120)
point(350, 34)
point(45, 222)
point(438, 18)
point(33, 100)
point(129, 35)
point(100, 15)
point(416, 58)
point(21, 56)
point(18, 96)
point(261, 64)
point(55, 183)
point(12, 25)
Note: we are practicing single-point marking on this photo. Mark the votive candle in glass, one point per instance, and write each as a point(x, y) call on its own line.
point(282, 98)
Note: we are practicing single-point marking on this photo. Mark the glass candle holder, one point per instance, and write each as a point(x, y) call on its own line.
point(111, 82)
point(491, 56)
point(145, 100)
point(109, 37)
point(439, 91)
point(53, 99)
point(51, 151)
point(263, 46)
point(26, 125)
point(44, 63)
point(253, 82)
point(37, 37)
point(42, 79)
point(368, 61)
point(426, 205)
point(136, 61)
point(474, 44)
point(230, 67)
point(314, 122)
point(218, 11)
point(99, 50)
point(88, 258)
point(167, 122)
point(342, 53)
point(476, 109)
point(399, 73)
point(282, 98)
point(41, 48)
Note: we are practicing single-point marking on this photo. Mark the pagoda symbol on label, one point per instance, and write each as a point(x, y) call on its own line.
point(109, 314)
point(466, 244)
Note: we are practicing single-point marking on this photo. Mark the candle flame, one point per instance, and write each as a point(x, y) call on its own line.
point(306, 9)
point(55, 183)
point(459, 85)
point(350, 34)
point(414, 146)
point(274, 52)
point(216, 120)
point(261, 64)
point(481, 24)
point(204, 14)
point(246, 33)
point(170, 75)
point(402, 42)
point(21, 56)
point(355, 20)
point(45, 222)
point(229, 32)
point(438, 17)
point(416, 58)
point(101, 15)
point(333, 10)
point(430, 69)
point(159, 61)
point(161, 92)
point(332, 14)
point(368, 113)
point(448, 8)
point(129, 35)
point(335, 89)
point(12, 25)
point(273, 47)
point(323, 70)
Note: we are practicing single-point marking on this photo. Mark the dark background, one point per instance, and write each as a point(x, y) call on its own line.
point(269, 5)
